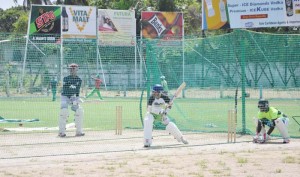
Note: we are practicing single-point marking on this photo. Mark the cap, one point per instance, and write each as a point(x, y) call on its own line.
point(73, 65)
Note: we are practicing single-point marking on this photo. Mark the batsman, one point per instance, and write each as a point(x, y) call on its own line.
point(158, 107)
point(271, 117)
point(70, 96)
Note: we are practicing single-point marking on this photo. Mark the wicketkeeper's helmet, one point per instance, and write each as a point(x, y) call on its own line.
point(157, 88)
point(263, 105)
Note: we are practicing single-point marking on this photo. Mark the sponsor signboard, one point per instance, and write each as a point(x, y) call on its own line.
point(162, 25)
point(44, 24)
point(116, 27)
point(250, 13)
point(79, 23)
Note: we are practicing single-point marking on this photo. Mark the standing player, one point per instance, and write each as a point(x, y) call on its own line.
point(164, 84)
point(157, 110)
point(98, 82)
point(53, 86)
point(271, 117)
point(70, 96)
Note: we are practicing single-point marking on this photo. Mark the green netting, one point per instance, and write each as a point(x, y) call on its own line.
point(257, 64)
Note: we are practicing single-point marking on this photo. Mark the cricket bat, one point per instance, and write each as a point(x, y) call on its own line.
point(178, 91)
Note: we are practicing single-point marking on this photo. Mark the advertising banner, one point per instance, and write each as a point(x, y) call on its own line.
point(214, 14)
point(79, 23)
point(116, 27)
point(250, 13)
point(44, 24)
point(162, 25)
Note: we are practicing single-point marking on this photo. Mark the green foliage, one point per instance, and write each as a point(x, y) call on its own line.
point(192, 18)
point(76, 2)
point(98, 4)
point(166, 5)
point(50, 49)
point(8, 18)
point(20, 26)
point(122, 5)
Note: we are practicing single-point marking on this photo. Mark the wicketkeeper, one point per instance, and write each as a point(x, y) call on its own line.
point(271, 117)
point(70, 96)
point(157, 110)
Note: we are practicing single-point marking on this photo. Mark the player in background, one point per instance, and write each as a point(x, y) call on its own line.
point(70, 96)
point(271, 117)
point(164, 84)
point(98, 82)
point(53, 87)
point(157, 110)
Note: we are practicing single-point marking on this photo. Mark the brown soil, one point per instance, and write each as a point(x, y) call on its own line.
point(107, 154)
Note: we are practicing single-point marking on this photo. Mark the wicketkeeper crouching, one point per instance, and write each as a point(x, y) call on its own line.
point(157, 109)
point(70, 96)
point(271, 117)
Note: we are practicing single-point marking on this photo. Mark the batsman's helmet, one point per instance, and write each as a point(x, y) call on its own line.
point(157, 88)
point(263, 105)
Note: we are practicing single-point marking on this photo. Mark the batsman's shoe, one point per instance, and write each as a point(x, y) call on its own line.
point(80, 134)
point(184, 141)
point(255, 139)
point(62, 135)
point(146, 145)
point(285, 141)
point(268, 137)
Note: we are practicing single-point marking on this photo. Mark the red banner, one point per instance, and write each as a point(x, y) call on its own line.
point(162, 25)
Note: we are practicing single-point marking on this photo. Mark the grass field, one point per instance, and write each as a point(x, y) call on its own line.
point(102, 153)
point(201, 115)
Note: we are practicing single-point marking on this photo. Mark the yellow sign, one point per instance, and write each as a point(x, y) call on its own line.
point(216, 13)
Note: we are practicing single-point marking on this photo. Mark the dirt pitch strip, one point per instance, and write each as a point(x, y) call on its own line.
point(104, 154)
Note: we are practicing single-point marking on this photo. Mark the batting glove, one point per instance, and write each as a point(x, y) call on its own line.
point(162, 112)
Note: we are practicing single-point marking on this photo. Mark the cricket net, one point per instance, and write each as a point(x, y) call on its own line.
point(221, 73)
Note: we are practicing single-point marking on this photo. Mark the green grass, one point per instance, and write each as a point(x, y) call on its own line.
point(209, 115)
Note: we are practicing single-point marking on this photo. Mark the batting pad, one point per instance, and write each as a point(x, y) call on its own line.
point(173, 130)
point(148, 127)
point(79, 120)
point(64, 114)
point(282, 128)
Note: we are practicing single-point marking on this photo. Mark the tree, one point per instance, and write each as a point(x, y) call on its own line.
point(8, 18)
point(27, 3)
point(192, 16)
point(76, 2)
point(20, 26)
point(166, 5)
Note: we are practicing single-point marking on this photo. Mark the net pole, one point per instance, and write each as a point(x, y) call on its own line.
point(243, 87)
point(25, 54)
point(135, 64)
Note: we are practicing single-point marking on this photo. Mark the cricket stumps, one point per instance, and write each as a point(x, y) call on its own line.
point(119, 120)
point(231, 136)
